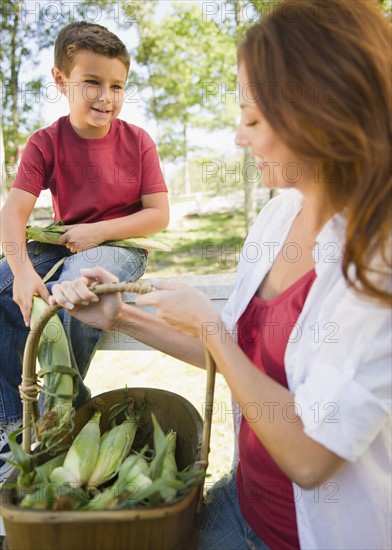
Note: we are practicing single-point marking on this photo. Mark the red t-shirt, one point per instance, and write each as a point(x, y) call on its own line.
point(265, 492)
point(91, 180)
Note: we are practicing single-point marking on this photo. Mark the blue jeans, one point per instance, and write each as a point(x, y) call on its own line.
point(126, 264)
point(222, 523)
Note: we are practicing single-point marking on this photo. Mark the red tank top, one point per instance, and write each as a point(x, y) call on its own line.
point(265, 493)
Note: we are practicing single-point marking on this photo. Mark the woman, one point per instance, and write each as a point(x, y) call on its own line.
point(304, 341)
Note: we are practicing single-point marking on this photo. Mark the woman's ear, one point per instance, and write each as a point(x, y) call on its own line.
point(59, 80)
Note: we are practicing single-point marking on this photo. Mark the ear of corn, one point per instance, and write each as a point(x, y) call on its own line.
point(132, 478)
point(59, 379)
point(114, 447)
point(133, 474)
point(169, 467)
point(139, 242)
point(82, 456)
point(61, 476)
point(52, 233)
point(160, 446)
point(43, 472)
point(163, 467)
point(112, 452)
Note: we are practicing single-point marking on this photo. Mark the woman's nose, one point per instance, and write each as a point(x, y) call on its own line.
point(240, 138)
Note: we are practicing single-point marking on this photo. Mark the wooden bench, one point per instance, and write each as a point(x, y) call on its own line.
point(217, 287)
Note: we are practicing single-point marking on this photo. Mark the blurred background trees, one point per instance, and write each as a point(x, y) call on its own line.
point(184, 70)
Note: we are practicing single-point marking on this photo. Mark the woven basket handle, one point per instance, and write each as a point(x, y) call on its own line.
point(28, 389)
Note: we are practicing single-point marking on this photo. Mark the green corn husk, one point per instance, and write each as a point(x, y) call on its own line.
point(48, 496)
point(29, 482)
point(52, 233)
point(132, 478)
point(163, 468)
point(20, 459)
point(160, 446)
point(41, 499)
point(134, 471)
point(168, 481)
point(82, 456)
point(60, 381)
point(112, 452)
point(170, 470)
point(42, 473)
point(115, 446)
point(30, 475)
point(38, 475)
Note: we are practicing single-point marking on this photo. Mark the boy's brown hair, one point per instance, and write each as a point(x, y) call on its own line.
point(79, 36)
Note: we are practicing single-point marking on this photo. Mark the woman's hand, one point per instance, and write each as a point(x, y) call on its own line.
point(86, 306)
point(179, 305)
point(183, 307)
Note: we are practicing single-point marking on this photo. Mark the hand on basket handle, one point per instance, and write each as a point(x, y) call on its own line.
point(76, 295)
point(183, 307)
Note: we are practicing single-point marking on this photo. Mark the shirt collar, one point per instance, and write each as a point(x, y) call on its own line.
point(329, 244)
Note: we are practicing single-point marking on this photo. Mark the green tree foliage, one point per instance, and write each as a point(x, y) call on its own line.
point(211, 175)
point(238, 15)
point(185, 60)
point(26, 28)
point(385, 6)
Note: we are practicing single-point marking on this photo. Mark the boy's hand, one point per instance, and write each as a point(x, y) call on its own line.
point(25, 287)
point(80, 237)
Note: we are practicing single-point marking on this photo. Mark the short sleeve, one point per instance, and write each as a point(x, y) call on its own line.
point(152, 180)
point(345, 400)
point(31, 175)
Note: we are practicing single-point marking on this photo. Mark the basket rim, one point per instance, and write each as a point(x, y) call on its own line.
point(10, 511)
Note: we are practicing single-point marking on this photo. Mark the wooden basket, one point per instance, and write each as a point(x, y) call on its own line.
point(171, 526)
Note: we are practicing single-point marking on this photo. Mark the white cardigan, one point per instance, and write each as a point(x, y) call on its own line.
point(338, 367)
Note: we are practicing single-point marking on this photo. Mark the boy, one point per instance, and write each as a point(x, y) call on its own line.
point(106, 184)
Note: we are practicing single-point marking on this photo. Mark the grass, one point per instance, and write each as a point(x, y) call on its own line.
point(201, 245)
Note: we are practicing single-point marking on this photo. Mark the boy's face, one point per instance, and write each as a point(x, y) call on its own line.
point(95, 92)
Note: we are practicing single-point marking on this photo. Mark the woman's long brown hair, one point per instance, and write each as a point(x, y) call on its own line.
point(323, 73)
